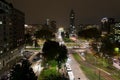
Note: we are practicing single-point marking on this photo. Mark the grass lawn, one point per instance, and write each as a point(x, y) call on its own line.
point(49, 73)
point(89, 72)
point(103, 64)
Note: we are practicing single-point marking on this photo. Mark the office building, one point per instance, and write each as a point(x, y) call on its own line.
point(107, 25)
point(117, 33)
point(11, 32)
point(72, 29)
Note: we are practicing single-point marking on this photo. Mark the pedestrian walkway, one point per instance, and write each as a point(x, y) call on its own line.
point(78, 73)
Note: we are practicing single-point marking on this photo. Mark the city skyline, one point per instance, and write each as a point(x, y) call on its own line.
point(86, 11)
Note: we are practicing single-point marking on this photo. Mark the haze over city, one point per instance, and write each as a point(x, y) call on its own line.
point(86, 11)
point(59, 40)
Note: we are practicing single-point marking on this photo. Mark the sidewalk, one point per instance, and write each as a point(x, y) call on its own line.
point(78, 73)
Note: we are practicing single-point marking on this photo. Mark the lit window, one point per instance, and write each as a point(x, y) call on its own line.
point(11, 51)
point(7, 49)
point(1, 51)
point(0, 22)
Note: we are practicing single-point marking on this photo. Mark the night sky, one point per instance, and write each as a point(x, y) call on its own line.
point(87, 11)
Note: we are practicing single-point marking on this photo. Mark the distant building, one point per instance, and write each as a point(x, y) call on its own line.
point(117, 33)
point(88, 26)
point(107, 25)
point(80, 27)
point(72, 29)
point(48, 22)
point(32, 28)
point(11, 32)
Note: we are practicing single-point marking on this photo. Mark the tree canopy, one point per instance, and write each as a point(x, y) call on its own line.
point(53, 51)
point(89, 33)
point(107, 46)
point(22, 71)
point(47, 31)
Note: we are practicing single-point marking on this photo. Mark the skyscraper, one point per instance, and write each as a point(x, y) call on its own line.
point(72, 29)
point(107, 25)
point(117, 33)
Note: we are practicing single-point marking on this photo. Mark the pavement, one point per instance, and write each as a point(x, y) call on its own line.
point(36, 65)
point(77, 71)
point(37, 68)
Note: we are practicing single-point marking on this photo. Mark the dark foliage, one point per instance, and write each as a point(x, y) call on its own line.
point(36, 43)
point(22, 71)
point(28, 39)
point(47, 31)
point(50, 49)
point(44, 34)
point(107, 46)
point(89, 33)
point(62, 53)
point(54, 77)
point(53, 51)
point(53, 26)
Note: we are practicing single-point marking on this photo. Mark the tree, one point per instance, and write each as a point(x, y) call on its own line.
point(89, 33)
point(53, 51)
point(107, 46)
point(62, 53)
point(22, 71)
point(53, 26)
point(28, 39)
point(36, 43)
point(50, 49)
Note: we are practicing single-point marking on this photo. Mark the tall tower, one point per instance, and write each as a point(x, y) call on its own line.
point(72, 29)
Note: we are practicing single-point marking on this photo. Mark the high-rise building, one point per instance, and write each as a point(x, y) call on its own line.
point(72, 29)
point(11, 32)
point(107, 24)
point(117, 33)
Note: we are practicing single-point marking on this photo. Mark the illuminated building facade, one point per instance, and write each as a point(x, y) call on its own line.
point(117, 33)
point(11, 32)
point(72, 29)
point(107, 25)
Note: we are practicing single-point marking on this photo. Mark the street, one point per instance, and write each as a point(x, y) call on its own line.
point(36, 64)
point(77, 72)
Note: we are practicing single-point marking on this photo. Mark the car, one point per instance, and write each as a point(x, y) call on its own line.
point(27, 54)
point(68, 67)
point(36, 58)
